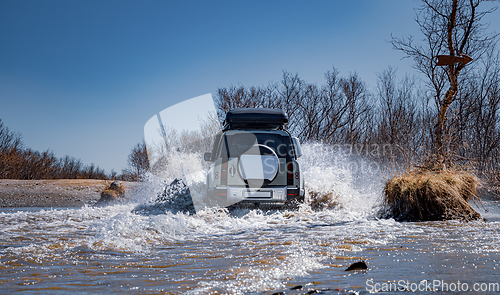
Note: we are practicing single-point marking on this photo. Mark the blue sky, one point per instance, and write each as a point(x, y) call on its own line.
point(81, 78)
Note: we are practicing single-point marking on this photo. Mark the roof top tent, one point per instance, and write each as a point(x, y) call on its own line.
point(255, 118)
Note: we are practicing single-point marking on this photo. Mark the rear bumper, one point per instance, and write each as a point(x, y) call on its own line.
point(295, 193)
point(256, 195)
point(277, 195)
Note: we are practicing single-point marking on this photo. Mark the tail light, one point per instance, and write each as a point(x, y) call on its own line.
point(289, 173)
point(224, 173)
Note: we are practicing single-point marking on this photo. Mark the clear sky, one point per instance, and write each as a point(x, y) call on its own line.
point(81, 78)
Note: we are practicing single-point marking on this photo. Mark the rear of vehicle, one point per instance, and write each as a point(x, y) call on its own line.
point(255, 161)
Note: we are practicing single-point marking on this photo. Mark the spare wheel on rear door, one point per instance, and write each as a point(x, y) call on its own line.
point(259, 165)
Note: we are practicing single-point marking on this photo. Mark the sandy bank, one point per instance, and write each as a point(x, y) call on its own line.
point(53, 193)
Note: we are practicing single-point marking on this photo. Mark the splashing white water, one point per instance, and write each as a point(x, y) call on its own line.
point(323, 170)
point(329, 170)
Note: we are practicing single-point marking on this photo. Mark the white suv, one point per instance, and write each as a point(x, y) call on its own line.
point(254, 161)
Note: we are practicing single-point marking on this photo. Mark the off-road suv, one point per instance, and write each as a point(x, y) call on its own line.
point(254, 161)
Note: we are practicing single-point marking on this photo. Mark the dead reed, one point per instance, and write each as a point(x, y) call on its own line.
point(426, 195)
point(115, 192)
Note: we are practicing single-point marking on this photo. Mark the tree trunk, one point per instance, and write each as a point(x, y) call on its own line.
point(448, 99)
point(452, 91)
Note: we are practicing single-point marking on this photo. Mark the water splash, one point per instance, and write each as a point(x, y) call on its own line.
point(345, 178)
point(174, 198)
point(333, 181)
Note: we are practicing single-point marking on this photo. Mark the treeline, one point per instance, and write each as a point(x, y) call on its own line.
point(343, 110)
point(400, 112)
point(19, 162)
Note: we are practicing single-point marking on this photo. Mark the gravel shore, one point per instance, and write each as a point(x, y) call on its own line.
point(53, 193)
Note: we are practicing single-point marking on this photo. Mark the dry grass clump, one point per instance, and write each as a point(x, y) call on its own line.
point(113, 193)
point(425, 195)
point(115, 189)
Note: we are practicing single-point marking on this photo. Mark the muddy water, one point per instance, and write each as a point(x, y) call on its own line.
point(112, 250)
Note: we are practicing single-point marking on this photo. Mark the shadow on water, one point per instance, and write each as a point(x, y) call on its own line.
point(174, 198)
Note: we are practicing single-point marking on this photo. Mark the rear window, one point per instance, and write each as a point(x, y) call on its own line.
point(237, 144)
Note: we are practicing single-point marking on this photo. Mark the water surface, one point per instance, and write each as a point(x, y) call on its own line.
point(112, 250)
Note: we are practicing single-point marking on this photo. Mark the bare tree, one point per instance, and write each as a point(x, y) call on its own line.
point(138, 162)
point(9, 140)
point(337, 108)
point(452, 28)
point(399, 118)
point(356, 100)
point(477, 114)
point(289, 96)
point(243, 97)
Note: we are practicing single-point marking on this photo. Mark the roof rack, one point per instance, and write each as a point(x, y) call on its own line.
point(255, 118)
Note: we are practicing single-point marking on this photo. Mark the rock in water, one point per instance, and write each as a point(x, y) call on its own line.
point(174, 198)
point(360, 265)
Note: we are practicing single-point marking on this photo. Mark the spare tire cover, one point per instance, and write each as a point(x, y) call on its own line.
point(259, 162)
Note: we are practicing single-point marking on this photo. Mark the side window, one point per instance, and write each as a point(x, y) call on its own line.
point(289, 148)
point(297, 147)
point(215, 147)
point(222, 149)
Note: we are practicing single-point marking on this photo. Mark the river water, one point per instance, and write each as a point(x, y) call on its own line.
point(112, 250)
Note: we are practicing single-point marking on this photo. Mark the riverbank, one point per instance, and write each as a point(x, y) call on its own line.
point(53, 192)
